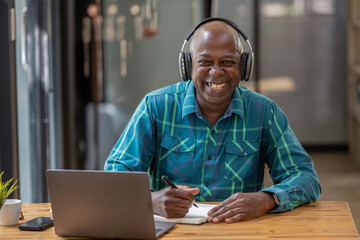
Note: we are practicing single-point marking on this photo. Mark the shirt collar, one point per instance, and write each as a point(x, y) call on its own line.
point(189, 100)
point(236, 105)
point(238, 102)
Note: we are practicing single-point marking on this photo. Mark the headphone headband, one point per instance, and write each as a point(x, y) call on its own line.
point(206, 20)
point(247, 58)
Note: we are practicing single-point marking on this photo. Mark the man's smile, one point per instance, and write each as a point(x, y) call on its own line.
point(216, 86)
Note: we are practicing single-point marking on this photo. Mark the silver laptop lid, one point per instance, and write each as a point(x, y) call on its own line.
point(101, 204)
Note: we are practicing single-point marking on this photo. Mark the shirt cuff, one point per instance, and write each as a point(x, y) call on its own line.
point(283, 198)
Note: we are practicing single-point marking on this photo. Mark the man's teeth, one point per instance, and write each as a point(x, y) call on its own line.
point(216, 86)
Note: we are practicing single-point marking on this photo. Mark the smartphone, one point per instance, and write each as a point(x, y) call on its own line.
point(37, 224)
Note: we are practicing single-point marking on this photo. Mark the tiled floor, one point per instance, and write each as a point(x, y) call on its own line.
point(339, 179)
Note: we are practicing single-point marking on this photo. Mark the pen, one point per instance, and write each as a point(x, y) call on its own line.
point(171, 184)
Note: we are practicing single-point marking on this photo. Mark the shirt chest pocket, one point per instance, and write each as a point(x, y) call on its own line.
point(242, 161)
point(176, 156)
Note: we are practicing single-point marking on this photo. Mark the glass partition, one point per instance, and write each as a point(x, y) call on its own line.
point(301, 61)
point(141, 43)
point(34, 98)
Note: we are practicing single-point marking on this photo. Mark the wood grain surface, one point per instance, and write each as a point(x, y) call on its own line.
point(319, 220)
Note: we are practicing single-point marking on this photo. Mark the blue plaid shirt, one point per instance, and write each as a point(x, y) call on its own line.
point(168, 135)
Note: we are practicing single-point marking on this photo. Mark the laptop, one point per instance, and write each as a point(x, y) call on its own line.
point(103, 204)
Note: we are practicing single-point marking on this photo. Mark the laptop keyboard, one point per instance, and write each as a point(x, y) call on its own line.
point(159, 226)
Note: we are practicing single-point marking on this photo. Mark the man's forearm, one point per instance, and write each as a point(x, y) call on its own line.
point(299, 189)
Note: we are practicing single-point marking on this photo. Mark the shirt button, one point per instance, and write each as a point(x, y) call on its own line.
point(213, 131)
point(209, 157)
point(207, 184)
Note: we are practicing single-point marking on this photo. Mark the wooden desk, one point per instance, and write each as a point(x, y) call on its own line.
point(319, 220)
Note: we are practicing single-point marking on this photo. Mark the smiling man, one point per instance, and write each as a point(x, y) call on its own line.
point(215, 51)
point(213, 137)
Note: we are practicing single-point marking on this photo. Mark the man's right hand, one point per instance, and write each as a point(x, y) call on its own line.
point(173, 202)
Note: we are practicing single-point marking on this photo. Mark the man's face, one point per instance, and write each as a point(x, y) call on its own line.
point(215, 67)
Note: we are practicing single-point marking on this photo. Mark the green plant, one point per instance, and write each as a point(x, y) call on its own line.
point(5, 191)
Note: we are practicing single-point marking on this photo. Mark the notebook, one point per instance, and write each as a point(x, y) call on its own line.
point(194, 216)
point(103, 204)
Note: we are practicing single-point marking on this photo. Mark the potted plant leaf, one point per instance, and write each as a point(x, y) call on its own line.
point(6, 189)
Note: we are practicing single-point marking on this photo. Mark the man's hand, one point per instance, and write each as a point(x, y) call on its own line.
point(242, 206)
point(173, 202)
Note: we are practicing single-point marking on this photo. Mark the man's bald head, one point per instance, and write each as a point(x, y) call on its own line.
point(217, 29)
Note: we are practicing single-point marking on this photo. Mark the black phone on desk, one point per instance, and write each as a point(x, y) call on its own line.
point(37, 224)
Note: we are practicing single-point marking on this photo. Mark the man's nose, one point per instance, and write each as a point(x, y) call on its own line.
point(216, 71)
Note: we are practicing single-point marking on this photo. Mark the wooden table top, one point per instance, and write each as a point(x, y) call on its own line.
point(319, 220)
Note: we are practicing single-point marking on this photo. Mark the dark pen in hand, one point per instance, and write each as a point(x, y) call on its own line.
point(171, 184)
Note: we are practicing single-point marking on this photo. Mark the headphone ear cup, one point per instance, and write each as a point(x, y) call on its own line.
point(182, 65)
point(243, 65)
point(188, 63)
point(249, 66)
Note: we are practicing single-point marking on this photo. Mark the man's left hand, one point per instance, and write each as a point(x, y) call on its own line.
point(242, 206)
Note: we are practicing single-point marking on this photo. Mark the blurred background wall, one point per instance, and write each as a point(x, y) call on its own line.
point(79, 69)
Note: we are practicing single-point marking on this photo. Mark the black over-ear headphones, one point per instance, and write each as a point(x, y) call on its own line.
point(246, 58)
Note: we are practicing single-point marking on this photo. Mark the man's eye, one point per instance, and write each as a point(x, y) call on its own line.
point(204, 62)
point(228, 62)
